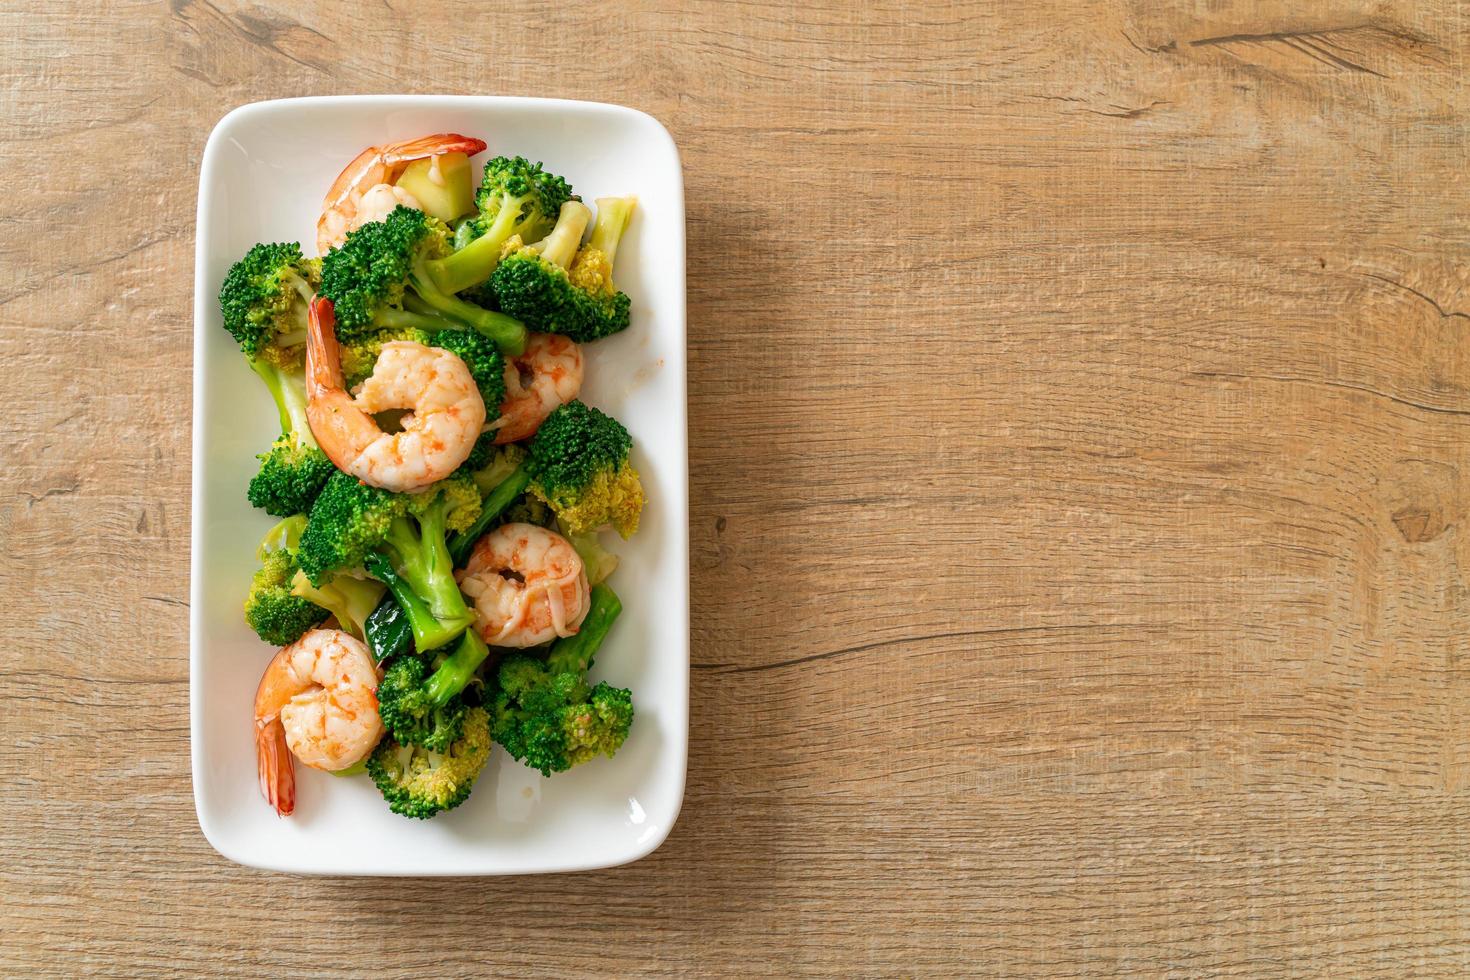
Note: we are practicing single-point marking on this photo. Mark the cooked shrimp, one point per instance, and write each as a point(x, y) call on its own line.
point(445, 411)
point(318, 699)
point(548, 374)
point(375, 168)
point(527, 584)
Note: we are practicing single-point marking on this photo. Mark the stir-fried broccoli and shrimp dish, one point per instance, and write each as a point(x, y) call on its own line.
point(436, 582)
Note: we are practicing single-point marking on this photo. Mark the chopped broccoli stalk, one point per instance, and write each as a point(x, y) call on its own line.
point(351, 599)
point(401, 540)
point(386, 269)
point(613, 216)
point(598, 562)
point(293, 471)
point(284, 534)
point(547, 715)
point(419, 782)
point(264, 297)
point(579, 465)
point(556, 288)
point(495, 502)
point(356, 769)
point(574, 654)
point(271, 609)
point(455, 671)
point(426, 710)
point(516, 199)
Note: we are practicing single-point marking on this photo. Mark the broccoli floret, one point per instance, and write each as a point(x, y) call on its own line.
point(427, 710)
point(264, 302)
point(516, 199)
point(276, 614)
point(400, 538)
point(294, 469)
point(579, 466)
point(555, 288)
point(419, 782)
point(406, 712)
point(265, 296)
point(383, 275)
point(546, 714)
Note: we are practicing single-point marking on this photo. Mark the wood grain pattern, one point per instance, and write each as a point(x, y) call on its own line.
point(1079, 401)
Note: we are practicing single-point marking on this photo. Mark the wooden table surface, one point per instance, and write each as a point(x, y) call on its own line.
point(1079, 397)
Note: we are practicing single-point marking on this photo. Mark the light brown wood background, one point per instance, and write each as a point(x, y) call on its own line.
point(1079, 400)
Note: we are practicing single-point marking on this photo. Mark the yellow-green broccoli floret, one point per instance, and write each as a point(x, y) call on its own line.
point(579, 466)
point(421, 783)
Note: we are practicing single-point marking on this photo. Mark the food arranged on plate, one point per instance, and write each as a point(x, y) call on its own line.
point(436, 583)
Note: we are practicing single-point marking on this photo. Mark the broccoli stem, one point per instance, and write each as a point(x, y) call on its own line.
point(504, 494)
point(422, 558)
point(391, 319)
point(613, 215)
point(473, 264)
point(560, 246)
point(285, 533)
point(429, 633)
point(288, 389)
point(350, 599)
point(455, 673)
point(507, 332)
point(573, 654)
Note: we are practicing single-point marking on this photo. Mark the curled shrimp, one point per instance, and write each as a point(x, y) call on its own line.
point(527, 584)
point(318, 701)
point(364, 190)
point(547, 375)
point(445, 411)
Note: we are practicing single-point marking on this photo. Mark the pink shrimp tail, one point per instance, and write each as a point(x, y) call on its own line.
point(276, 768)
point(323, 356)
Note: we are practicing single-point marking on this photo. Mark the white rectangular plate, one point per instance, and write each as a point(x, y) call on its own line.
point(265, 170)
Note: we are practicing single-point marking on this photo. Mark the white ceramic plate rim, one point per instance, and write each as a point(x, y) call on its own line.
point(204, 292)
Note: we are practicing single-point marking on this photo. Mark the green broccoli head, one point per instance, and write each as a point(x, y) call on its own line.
point(553, 287)
point(483, 358)
point(579, 466)
point(369, 273)
point(348, 521)
point(265, 296)
point(517, 199)
point(386, 275)
point(545, 712)
point(408, 712)
point(420, 782)
point(553, 721)
point(290, 477)
point(277, 615)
